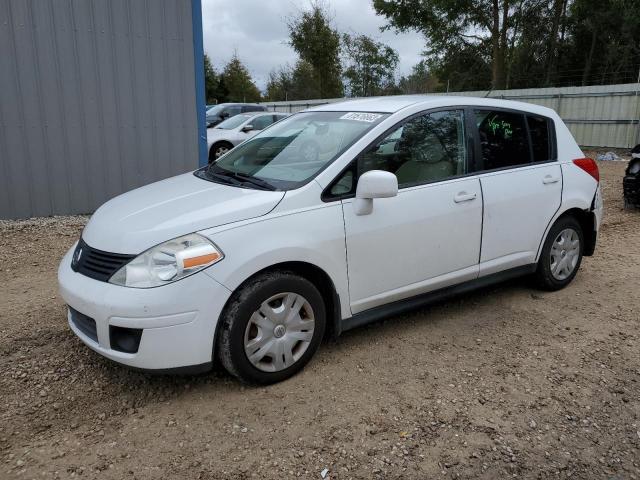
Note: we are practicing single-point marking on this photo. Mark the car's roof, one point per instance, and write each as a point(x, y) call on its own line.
point(240, 103)
point(258, 113)
point(395, 103)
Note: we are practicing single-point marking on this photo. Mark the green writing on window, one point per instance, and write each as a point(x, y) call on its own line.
point(500, 127)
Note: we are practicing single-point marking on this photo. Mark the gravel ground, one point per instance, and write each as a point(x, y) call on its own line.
point(506, 382)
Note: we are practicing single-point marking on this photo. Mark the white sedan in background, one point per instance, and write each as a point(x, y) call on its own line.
point(235, 130)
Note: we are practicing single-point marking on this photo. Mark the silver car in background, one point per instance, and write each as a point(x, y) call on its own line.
point(235, 130)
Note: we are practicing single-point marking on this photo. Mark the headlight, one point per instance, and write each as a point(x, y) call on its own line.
point(168, 262)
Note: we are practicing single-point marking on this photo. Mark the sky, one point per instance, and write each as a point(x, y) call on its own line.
point(257, 30)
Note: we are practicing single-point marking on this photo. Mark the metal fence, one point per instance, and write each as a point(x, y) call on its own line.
point(96, 98)
point(598, 116)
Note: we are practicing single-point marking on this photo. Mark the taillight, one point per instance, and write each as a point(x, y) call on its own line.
point(589, 165)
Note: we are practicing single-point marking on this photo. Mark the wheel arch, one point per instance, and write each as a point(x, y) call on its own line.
point(315, 275)
point(211, 155)
point(587, 220)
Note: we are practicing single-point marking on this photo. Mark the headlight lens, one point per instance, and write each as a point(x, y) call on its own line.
point(168, 262)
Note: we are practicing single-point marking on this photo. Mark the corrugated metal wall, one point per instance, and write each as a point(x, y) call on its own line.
point(96, 97)
point(600, 116)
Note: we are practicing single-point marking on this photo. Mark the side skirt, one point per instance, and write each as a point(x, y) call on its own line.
point(402, 306)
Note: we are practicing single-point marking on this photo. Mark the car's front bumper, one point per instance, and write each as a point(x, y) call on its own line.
point(178, 320)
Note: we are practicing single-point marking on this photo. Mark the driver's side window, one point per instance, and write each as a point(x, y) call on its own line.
point(425, 149)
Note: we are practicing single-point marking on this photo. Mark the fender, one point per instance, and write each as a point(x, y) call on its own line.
point(573, 197)
point(315, 237)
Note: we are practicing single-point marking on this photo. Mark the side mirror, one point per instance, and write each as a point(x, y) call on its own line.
point(374, 184)
point(247, 128)
point(224, 115)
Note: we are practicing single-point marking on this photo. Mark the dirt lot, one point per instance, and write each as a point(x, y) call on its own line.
point(505, 382)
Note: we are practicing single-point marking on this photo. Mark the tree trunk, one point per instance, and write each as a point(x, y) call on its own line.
point(498, 47)
point(558, 7)
point(589, 62)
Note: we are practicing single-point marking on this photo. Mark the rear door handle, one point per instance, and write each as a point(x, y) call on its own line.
point(464, 197)
point(550, 179)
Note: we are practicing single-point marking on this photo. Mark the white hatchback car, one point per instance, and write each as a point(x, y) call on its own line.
point(235, 130)
point(253, 259)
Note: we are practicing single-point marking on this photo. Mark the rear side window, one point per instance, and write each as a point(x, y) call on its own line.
point(541, 139)
point(262, 121)
point(231, 111)
point(503, 139)
point(252, 108)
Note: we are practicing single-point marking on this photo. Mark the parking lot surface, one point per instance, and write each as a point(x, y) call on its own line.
point(505, 382)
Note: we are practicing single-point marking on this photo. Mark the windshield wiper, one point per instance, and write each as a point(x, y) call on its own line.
point(227, 180)
point(236, 178)
point(258, 182)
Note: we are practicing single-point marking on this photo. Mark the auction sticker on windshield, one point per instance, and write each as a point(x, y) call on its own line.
point(361, 117)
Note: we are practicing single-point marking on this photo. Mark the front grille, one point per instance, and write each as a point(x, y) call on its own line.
point(97, 264)
point(86, 325)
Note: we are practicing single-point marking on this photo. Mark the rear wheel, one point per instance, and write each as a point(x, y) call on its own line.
point(561, 254)
point(271, 328)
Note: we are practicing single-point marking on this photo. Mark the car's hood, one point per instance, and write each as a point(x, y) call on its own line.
point(137, 220)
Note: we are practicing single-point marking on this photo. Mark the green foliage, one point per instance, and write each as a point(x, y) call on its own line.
point(299, 83)
point(318, 44)
point(604, 41)
point(370, 66)
point(420, 80)
point(210, 80)
point(214, 86)
point(238, 82)
point(452, 26)
point(473, 45)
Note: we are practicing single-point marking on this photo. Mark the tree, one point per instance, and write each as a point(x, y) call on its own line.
point(370, 65)
point(420, 80)
point(305, 82)
point(210, 81)
point(238, 82)
point(318, 44)
point(604, 41)
point(452, 26)
point(299, 83)
point(279, 85)
point(214, 86)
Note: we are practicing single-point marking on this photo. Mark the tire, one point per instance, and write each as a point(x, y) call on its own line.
point(554, 272)
point(218, 149)
point(293, 341)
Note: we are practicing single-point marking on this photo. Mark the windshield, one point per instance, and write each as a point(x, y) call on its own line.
point(294, 150)
point(215, 110)
point(233, 122)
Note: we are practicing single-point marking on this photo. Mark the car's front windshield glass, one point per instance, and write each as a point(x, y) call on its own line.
point(233, 122)
point(215, 110)
point(295, 149)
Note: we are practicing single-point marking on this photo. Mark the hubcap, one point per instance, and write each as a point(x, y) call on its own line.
point(565, 253)
point(279, 332)
point(221, 151)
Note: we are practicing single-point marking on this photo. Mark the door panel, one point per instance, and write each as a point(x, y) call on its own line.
point(425, 238)
point(518, 205)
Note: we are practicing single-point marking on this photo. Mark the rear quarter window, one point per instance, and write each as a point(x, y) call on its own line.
point(542, 138)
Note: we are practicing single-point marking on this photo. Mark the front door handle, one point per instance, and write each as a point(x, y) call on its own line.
point(464, 197)
point(550, 179)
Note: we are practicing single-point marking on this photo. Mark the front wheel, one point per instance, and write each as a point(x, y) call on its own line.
point(218, 149)
point(561, 254)
point(271, 328)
